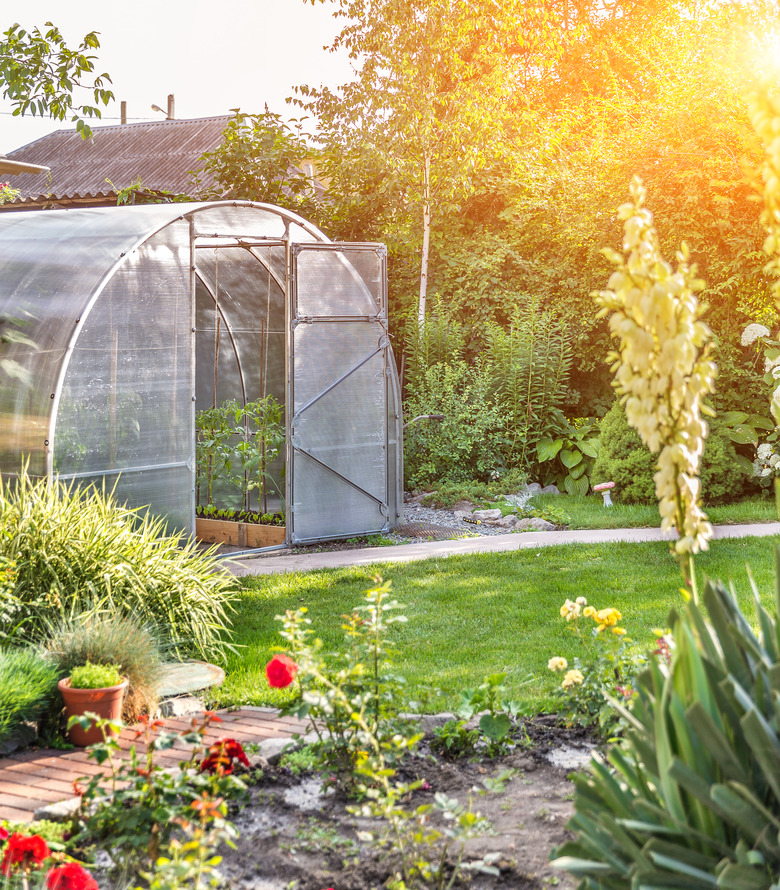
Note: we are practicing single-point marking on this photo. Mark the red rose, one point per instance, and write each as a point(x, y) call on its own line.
point(70, 877)
point(281, 671)
point(221, 755)
point(26, 852)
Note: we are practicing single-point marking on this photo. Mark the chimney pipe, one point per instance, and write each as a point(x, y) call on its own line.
point(170, 106)
point(123, 112)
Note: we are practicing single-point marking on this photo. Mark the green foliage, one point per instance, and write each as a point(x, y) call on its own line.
point(39, 73)
point(8, 194)
point(355, 694)
point(528, 366)
point(28, 682)
point(301, 760)
point(111, 639)
point(496, 408)
point(256, 161)
point(75, 551)
point(352, 708)
point(626, 461)
point(454, 740)
point(489, 700)
point(95, 676)
point(447, 494)
point(469, 443)
point(574, 450)
point(604, 672)
point(238, 443)
point(155, 819)
point(138, 193)
point(692, 797)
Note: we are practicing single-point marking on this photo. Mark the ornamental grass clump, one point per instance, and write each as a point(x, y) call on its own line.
point(28, 683)
point(111, 639)
point(663, 369)
point(73, 549)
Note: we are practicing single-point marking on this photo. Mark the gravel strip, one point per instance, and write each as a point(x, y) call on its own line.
point(446, 518)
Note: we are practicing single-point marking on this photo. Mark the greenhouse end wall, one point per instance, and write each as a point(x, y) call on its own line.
point(118, 324)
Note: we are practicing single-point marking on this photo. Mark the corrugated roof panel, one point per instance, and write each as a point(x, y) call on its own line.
point(160, 153)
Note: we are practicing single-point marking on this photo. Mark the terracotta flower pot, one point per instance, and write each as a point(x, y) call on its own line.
point(106, 703)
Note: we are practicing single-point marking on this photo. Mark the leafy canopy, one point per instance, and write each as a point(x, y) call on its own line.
point(39, 73)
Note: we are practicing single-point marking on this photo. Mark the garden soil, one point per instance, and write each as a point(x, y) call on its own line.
point(293, 836)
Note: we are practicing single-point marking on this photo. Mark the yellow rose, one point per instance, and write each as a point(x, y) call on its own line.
point(572, 678)
point(557, 664)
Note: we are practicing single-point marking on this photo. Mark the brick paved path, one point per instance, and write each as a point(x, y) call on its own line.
point(31, 779)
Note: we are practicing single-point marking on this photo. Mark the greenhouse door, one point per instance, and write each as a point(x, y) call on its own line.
point(337, 479)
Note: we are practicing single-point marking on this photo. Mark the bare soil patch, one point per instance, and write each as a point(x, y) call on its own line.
point(291, 835)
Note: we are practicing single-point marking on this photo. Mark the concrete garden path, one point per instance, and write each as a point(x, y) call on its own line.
point(32, 780)
point(305, 562)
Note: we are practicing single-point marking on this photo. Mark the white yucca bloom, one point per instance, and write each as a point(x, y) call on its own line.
point(662, 367)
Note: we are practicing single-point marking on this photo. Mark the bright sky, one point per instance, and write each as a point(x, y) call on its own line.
point(211, 56)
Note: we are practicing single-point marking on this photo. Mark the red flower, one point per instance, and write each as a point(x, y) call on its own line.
point(221, 755)
point(4, 833)
point(281, 671)
point(70, 877)
point(26, 852)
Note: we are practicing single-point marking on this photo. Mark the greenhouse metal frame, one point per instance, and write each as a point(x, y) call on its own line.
point(119, 323)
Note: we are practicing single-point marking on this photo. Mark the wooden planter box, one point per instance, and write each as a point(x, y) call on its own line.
point(239, 534)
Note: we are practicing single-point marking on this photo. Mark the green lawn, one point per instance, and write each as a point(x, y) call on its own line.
point(474, 615)
point(590, 512)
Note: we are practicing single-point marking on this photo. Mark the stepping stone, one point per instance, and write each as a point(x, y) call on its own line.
point(182, 677)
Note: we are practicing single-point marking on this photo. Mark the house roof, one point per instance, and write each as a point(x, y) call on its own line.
point(160, 153)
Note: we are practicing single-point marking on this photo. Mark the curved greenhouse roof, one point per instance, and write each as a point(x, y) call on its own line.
point(120, 323)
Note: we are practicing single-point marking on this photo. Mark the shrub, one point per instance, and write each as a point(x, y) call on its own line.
point(111, 639)
point(28, 682)
point(692, 799)
point(626, 461)
point(73, 548)
point(95, 676)
point(467, 444)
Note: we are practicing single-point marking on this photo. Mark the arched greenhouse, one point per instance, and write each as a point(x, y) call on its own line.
point(125, 327)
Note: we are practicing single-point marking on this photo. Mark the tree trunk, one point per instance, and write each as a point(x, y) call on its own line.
point(425, 242)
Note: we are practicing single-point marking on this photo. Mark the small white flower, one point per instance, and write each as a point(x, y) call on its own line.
point(752, 332)
point(764, 450)
point(774, 460)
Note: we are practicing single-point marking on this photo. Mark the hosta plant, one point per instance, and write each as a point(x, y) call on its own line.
point(692, 798)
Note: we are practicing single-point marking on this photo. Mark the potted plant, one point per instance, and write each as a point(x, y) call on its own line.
point(97, 688)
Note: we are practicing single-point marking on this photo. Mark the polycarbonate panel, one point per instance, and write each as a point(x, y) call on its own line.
point(345, 427)
point(326, 508)
point(167, 491)
point(51, 264)
point(328, 284)
point(240, 220)
point(126, 400)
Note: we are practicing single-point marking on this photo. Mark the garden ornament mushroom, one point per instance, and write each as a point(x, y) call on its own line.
point(604, 488)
